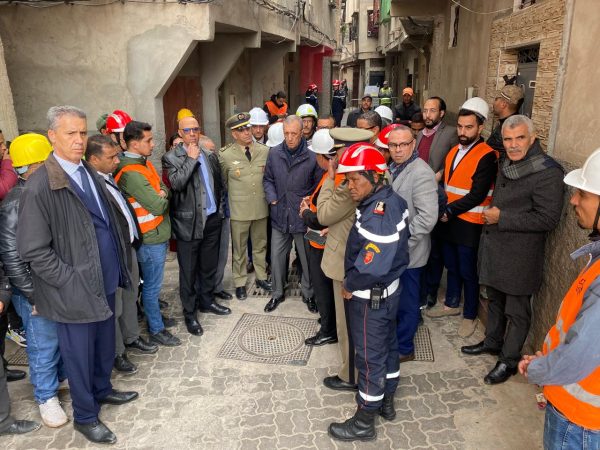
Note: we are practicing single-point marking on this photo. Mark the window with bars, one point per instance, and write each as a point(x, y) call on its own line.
point(373, 23)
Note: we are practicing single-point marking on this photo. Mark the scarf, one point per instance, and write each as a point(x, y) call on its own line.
point(396, 169)
point(535, 161)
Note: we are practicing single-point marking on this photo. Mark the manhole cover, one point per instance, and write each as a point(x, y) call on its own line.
point(423, 347)
point(270, 340)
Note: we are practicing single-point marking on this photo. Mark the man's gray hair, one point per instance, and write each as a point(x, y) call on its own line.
point(56, 112)
point(205, 141)
point(289, 120)
point(373, 118)
point(516, 120)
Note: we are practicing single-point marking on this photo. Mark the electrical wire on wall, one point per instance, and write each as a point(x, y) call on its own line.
point(457, 3)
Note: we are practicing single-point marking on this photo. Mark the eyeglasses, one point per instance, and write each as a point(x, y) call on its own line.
point(402, 145)
point(189, 130)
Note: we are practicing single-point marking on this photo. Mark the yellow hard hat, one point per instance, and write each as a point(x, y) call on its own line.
point(29, 149)
point(183, 113)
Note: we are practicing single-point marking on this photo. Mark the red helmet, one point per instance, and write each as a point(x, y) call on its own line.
point(115, 123)
point(362, 156)
point(336, 82)
point(382, 137)
point(312, 86)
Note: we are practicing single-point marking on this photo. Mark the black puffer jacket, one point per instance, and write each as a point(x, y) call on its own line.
point(15, 268)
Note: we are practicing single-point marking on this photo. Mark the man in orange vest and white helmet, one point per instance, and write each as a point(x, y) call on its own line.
point(568, 367)
point(469, 174)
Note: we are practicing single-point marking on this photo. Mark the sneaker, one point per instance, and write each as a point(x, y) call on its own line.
point(17, 335)
point(467, 328)
point(165, 338)
point(442, 311)
point(52, 413)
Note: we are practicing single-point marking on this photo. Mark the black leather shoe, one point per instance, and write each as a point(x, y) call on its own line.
point(217, 309)
point(337, 384)
point(406, 358)
point(478, 349)
point(431, 301)
point(142, 346)
point(168, 322)
point(499, 374)
point(165, 338)
point(162, 304)
point(193, 326)
point(387, 410)
point(96, 432)
point(274, 303)
point(21, 427)
point(311, 304)
point(124, 366)
point(14, 375)
point(360, 427)
point(320, 339)
point(223, 295)
point(264, 285)
point(118, 397)
point(240, 293)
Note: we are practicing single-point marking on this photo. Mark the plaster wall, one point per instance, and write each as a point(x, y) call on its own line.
point(8, 118)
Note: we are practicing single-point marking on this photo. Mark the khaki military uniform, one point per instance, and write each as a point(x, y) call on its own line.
point(248, 207)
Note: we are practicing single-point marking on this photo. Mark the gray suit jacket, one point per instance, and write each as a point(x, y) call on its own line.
point(444, 139)
point(416, 184)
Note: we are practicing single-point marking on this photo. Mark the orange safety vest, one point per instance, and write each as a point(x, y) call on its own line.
point(459, 184)
point(146, 219)
point(312, 202)
point(274, 110)
point(579, 402)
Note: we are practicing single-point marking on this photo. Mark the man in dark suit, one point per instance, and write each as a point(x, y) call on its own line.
point(69, 234)
point(197, 190)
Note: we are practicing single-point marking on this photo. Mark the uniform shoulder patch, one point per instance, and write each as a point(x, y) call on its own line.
point(379, 208)
point(226, 147)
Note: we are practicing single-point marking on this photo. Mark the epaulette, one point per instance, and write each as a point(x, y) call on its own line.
point(226, 147)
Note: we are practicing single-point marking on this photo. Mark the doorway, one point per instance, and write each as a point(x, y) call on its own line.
point(526, 76)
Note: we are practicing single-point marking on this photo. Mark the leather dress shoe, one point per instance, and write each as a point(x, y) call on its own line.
point(96, 432)
point(265, 285)
point(311, 304)
point(274, 303)
point(240, 293)
point(14, 375)
point(223, 295)
point(124, 366)
point(406, 358)
point(193, 326)
point(21, 427)
point(142, 346)
point(118, 397)
point(478, 349)
point(217, 309)
point(320, 339)
point(165, 338)
point(337, 384)
point(162, 304)
point(499, 374)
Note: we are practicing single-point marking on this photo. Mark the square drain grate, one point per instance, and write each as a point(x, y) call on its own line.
point(292, 288)
point(423, 347)
point(18, 358)
point(270, 340)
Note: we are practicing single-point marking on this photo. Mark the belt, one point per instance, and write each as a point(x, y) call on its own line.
point(389, 290)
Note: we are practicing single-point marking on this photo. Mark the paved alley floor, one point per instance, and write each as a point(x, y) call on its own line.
point(190, 399)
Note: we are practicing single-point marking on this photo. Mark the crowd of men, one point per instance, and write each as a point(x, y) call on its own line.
point(374, 212)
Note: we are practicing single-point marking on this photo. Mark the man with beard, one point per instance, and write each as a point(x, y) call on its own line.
point(469, 175)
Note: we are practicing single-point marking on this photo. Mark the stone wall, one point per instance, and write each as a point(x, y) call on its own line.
point(541, 24)
point(8, 119)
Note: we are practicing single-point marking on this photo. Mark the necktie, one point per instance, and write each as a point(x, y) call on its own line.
point(248, 154)
point(85, 184)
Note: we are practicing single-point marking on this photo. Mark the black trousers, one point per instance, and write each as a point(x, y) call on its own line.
point(3, 331)
point(88, 352)
point(323, 289)
point(6, 420)
point(509, 317)
point(198, 261)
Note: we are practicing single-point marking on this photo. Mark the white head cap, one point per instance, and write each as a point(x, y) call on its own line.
point(275, 135)
point(385, 112)
point(478, 105)
point(322, 142)
point(258, 117)
point(588, 177)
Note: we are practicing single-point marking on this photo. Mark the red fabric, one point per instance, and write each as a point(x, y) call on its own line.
point(425, 147)
point(8, 177)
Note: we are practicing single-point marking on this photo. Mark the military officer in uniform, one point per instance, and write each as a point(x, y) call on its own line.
point(376, 256)
point(243, 164)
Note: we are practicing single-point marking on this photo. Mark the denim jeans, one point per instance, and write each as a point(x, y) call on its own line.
point(46, 367)
point(562, 434)
point(152, 261)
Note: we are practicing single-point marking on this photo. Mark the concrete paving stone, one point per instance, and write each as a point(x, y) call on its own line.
point(278, 382)
point(301, 421)
point(322, 441)
point(288, 405)
point(267, 443)
point(283, 421)
point(257, 420)
point(343, 398)
point(454, 396)
point(444, 436)
point(453, 407)
point(296, 441)
point(419, 408)
point(260, 431)
point(313, 398)
point(293, 381)
point(395, 433)
point(422, 384)
point(437, 423)
point(330, 413)
point(415, 435)
point(435, 404)
point(249, 444)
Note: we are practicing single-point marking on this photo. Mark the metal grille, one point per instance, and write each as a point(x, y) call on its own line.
point(292, 288)
point(423, 347)
point(18, 358)
point(270, 340)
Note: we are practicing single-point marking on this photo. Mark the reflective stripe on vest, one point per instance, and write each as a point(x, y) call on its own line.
point(460, 183)
point(579, 402)
point(146, 219)
point(379, 238)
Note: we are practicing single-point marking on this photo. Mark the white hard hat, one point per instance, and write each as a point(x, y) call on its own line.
point(588, 177)
point(322, 143)
point(307, 110)
point(478, 105)
point(275, 135)
point(258, 117)
point(385, 112)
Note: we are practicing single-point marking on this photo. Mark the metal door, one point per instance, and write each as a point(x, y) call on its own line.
point(526, 76)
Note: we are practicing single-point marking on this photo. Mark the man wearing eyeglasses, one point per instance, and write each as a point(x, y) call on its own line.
point(242, 166)
point(414, 181)
point(196, 215)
